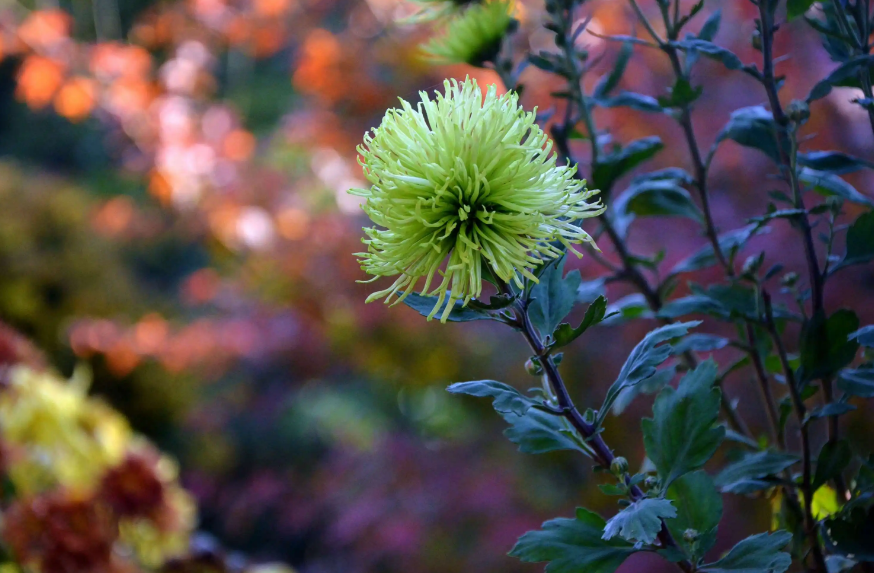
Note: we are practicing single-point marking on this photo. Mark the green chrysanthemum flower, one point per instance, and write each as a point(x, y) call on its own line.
point(473, 36)
point(461, 182)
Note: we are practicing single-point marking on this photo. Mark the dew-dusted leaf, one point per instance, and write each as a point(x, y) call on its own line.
point(661, 197)
point(728, 58)
point(640, 521)
point(857, 382)
point(621, 161)
point(864, 336)
point(459, 313)
point(833, 162)
point(565, 333)
point(573, 545)
point(730, 241)
point(607, 83)
point(839, 75)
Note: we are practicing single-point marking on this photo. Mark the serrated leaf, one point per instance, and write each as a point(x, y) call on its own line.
point(836, 162)
point(860, 242)
point(627, 308)
point(619, 162)
point(641, 364)
point(829, 184)
point(553, 297)
point(459, 313)
point(641, 521)
point(859, 382)
point(834, 457)
point(533, 430)
point(755, 554)
point(705, 257)
point(573, 546)
point(699, 507)
point(680, 436)
point(565, 333)
point(700, 343)
point(748, 473)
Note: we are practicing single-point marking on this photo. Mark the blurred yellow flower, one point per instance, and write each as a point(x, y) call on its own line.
point(58, 436)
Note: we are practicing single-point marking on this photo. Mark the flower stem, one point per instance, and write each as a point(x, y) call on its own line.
point(601, 452)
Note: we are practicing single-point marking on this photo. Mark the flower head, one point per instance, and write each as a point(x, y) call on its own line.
point(473, 36)
point(462, 182)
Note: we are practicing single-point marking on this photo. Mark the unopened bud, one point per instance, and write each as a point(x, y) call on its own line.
point(756, 41)
point(789, 279)
point(690, 535)
point(798, 111)
point(619, 466)
point(752, 264)
point(533, 368)
point(652, 482)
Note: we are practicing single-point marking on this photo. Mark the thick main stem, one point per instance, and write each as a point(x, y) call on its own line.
point(806, 456)
point(602, 453)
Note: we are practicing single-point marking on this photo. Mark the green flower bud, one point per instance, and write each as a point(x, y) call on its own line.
point(798, 111)
point(756, 41)
point(619, 466)
point(690, 535)
point(652, 482)
point(533, 368)
point(789, 279)
point(752, 264)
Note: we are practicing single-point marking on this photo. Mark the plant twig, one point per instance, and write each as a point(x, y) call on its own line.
point(601, 452)
point(801, 414)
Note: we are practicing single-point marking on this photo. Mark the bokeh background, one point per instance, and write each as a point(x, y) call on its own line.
point(173, 212)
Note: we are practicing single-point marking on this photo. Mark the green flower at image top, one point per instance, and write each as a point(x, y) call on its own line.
point(461, 182)
point(473, 36)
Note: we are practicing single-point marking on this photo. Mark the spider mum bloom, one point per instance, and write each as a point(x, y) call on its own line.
point(462, 182)
point(472, 37)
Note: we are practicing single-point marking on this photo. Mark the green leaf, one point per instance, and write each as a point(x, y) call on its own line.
point(700, 343)
point(831, 409)
point(565, 333)
point(834, 457)
point(642, 362)
point(621, 161)
point(852, 534)
point(864, 336)
point(723, 301)
point(553, 297)
point(753, 127)
point(607, 83)
point(573, 546)
point(755, 554)
point(699, 507)
point(825, 344)
point(845, 71)
point(640, 521)
point(796, 8)
point(750, 472)
point(711, 50)
point(627, 308)
point(640, 102)
point(680, 436)
point(459, 313)
point(860, 242)
point(682, 94)
point(829, 184)
point(533, 430)
point(858, 382)
point(730, 241)
point(711, 26)
point(833, 162)
point(652, 198)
